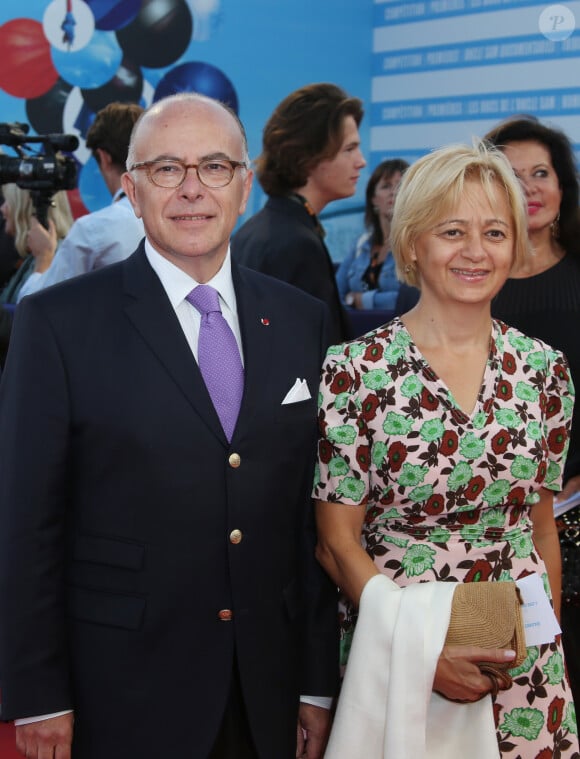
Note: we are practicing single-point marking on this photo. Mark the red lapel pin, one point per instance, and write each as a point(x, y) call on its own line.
point(265, 322)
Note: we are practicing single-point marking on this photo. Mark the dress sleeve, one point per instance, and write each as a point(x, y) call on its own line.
point(559, 404)
point(341, 473)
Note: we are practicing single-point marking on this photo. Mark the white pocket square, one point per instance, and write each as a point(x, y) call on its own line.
point(298, 392)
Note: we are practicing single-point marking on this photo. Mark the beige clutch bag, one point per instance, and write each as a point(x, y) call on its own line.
point(488, 614)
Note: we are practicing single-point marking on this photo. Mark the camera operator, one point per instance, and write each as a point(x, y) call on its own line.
point(19, 213)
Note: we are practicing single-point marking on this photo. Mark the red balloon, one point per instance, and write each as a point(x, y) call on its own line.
point(27, 70)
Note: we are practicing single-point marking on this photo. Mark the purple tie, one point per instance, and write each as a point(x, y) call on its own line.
point(218, 357)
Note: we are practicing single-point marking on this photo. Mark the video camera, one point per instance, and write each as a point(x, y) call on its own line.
point(43, 174)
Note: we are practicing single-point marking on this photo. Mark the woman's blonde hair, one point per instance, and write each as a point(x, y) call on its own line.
point(433, 186)
point(22, 211)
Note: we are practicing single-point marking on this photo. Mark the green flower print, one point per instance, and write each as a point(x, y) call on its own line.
point(403, 339)
point(411, 386)
point(528, 663)
point(508, 418)
point(421, 493)
point(471, 446)
point(493, 518)
point(439, 535)
point(553, 473)
point(337, 466)
point(526, 392)
point(537, 360)
point(316, 475)
point(376, 379)
point(394, 353)
point(396, 424)
point(523, 722)
point(351, 488)
point(336, 350)
point(356, 350)
point(432, 429)
point(534, 431)
point(496, 492)
point(379, 453)
point(399, 542)
point(567, 404)
point(344, 435)
point(532, 499)
point(412, 475)
point(417, 560)
point(554, 668)
point(569, 721)
point(341, 400)
point(471, 532)
point(523, 468)
point(523, 546)
point(520, 342)
point(460, 476)
point(479, 420)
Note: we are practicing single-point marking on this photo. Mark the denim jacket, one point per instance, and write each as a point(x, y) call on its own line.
point(349, 277)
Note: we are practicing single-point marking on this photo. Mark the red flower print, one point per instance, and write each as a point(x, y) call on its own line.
point(516, 496)
point(508, 363)
point(428, 400)
point(325, 451)
point(468, 517)
point(363, 457)
point(543, 401)
point(561, 372)
point(373, 513)
point(415, 519)
point(497, 713)
point(553, 406)
point(396, 455)
point(435, 504)
point(555, 714)
point(479, 572)
point(504, 390)
point(542, 469)
point(340, 383)
point(388, 498)
point(545, 753)
point(369, 407)
point(374, 352)
point(557, 439)
point(515, 515)
point(449, 443)
point(474, 487)
point(500, 441)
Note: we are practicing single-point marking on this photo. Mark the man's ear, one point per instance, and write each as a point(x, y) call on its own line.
point(103, 158)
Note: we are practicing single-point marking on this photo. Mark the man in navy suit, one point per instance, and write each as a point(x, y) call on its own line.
point(159, 595)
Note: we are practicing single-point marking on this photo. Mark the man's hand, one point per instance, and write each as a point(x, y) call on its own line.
point(313, 731)
point(458, 677)
point(47, 738)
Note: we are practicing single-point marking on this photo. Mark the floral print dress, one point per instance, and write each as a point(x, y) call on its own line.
point(448, 495)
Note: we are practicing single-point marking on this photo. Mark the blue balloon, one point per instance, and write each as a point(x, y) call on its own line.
point(198, 77)
point(93, 65)
point(92, 188)
point(23, 9)
point(113, 14)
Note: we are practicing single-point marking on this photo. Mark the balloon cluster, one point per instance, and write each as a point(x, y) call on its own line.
point(93, 52)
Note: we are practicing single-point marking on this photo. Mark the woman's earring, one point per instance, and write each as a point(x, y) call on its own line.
point(555, 226)
point(408, 269)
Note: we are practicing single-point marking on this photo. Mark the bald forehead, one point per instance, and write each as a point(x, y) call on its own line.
point(164, 115)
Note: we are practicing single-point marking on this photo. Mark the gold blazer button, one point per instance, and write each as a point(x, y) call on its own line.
point(225, 615)
point(235, 460)
point(236, 536)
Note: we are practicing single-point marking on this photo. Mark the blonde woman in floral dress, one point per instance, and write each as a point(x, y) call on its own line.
point(443, 439)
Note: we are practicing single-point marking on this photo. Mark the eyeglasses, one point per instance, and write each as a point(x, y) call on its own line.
point(171, 174)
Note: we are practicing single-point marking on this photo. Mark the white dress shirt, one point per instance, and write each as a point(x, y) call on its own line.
point(94, 240)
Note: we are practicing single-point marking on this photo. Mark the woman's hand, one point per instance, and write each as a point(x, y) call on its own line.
point(458, 677)
point(41, 243)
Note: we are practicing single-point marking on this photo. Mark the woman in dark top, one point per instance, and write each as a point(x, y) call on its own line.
point(542, 299)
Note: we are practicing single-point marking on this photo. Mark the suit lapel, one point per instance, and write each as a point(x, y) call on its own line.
point(149, 310)
point(259, 331)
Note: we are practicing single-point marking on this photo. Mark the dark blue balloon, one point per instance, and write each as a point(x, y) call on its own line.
point(198, 77)
point(113, 14)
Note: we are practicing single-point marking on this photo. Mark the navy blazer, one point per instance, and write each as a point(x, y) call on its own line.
point(118, 496)
point(282, 240)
